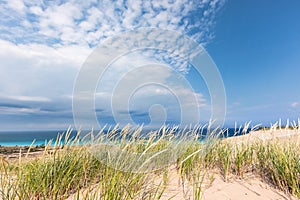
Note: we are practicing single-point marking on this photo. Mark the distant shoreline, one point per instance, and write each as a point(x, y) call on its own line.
point(24, 139)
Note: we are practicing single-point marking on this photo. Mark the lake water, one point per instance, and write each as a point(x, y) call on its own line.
point(25, 138)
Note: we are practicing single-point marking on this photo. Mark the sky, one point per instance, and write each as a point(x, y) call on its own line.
point(257, 50)
point(45, 45)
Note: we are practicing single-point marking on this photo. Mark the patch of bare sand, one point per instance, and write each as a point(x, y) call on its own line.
point(248, 188)
point(280, 135)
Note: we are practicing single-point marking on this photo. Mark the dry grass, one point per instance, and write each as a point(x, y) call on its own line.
point(126, 164)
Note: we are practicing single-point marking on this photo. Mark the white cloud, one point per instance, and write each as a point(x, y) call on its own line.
point(18, 111)
point(39, 70)
point(60, 16)
point(295, 104)
point(44, 43)
point(36, 10)
point(61, 21)
point(17, 5)
point(134, 83)
point(27, 98)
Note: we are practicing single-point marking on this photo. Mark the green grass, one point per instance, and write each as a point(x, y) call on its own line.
point(128, 166)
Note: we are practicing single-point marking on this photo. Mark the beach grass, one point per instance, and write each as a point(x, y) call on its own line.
point(129, 164)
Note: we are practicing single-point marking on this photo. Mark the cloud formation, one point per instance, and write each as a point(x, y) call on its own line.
point(56, 23)
point(44, 43)
point(295, 104)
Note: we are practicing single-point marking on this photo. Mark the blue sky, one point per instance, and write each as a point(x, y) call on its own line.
point(257, 48)
point(43, 45)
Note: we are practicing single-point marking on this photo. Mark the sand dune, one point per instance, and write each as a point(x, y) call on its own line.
point(267, 135)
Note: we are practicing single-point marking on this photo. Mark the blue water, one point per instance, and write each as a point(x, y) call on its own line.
point(26, 138)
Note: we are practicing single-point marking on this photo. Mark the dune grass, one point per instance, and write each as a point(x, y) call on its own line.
point(130, 164)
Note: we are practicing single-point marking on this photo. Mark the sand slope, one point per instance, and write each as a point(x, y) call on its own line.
point(250, 188)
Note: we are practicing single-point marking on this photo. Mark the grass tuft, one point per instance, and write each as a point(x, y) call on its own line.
point(131, 164)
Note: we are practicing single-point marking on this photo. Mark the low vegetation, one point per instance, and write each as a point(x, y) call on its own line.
point(131, 164)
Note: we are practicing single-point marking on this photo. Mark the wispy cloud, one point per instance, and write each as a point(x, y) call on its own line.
point(294, 104)
point(44, 43)
point(27, 98)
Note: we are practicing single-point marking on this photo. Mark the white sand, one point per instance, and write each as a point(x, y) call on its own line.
point(249, 188)
point(267, 135)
